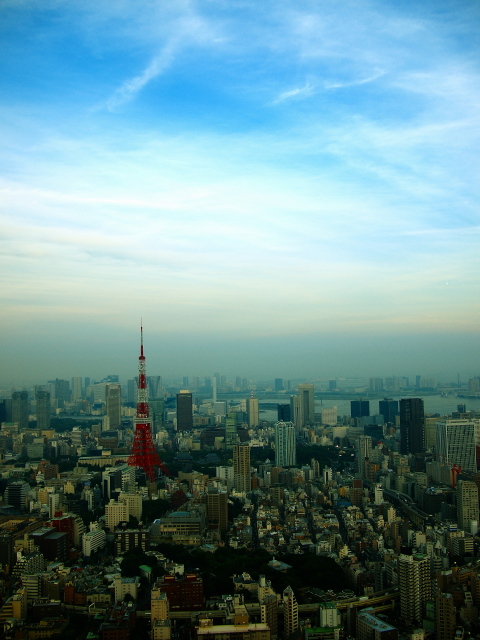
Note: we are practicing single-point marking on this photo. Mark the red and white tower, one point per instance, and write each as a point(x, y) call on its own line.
point(143, 453)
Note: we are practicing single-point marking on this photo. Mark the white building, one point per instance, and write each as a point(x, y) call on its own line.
point(126, 585)
point(456, 443)
point(92, 541)
point(134, 503)
point(53, 503)
point(329, 416)
point(116, 512)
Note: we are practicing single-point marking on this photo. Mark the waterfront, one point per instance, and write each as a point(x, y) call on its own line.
point(443, 405)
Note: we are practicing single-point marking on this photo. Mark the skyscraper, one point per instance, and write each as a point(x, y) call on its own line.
point(364, 451)
point(157, 408)
point(20, 409)
point(76, 388)
point(467, 505)
point(241, 467)
point(456, 443)
point(388, 408)
point(306, 405)
point(284, 412)
point(155, 386)
point(230, 430)
point(412, 426)
point(278, 384)
point(290, 613)
point(252, 412)
point(62, 392)
point(414, 582)
point(184, 411)
point(113, 396)
point(43, 408)
point(131, 391)
point(359, 408)
point(285, 449)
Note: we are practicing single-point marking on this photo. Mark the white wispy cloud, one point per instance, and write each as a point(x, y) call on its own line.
point(298, 92)
point(155, 68)
point(353, 83)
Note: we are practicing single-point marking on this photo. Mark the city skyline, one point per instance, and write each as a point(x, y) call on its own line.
point(283, 190)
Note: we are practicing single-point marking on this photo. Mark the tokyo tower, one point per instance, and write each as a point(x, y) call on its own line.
point(143, 453)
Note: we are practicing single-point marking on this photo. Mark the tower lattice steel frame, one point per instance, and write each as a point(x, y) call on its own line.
point(143, 453)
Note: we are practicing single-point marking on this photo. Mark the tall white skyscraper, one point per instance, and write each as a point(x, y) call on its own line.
point(456, 443)
point(285, 445)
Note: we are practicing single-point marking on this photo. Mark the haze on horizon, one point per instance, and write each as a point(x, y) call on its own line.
point(282, 190)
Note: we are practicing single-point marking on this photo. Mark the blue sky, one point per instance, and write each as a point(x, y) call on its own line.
point(247, 176)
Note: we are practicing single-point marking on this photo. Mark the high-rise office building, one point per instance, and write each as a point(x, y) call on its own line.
point(230, 429)
point(154, 386)
point(456, 443)
point(62, 392)
point(290, 613)
point(43, 408)
point(294, 411)
point(278, 384)
point(412, 426)
point(364, 453)
point(241, 467)
point(157, 409)
point(388, 408)
point(184, 411)
point(132, 391)
point(414, 581)
point(20, 408)
point(359, 408)
point(113, 396)
point(306, 405)
point(76, 389)
point(6, 410)
point(252, 412)
point(284, 412)
point(467, 505)
point(285, 444)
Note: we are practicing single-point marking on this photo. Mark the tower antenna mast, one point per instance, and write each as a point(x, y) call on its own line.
point(143, 453)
